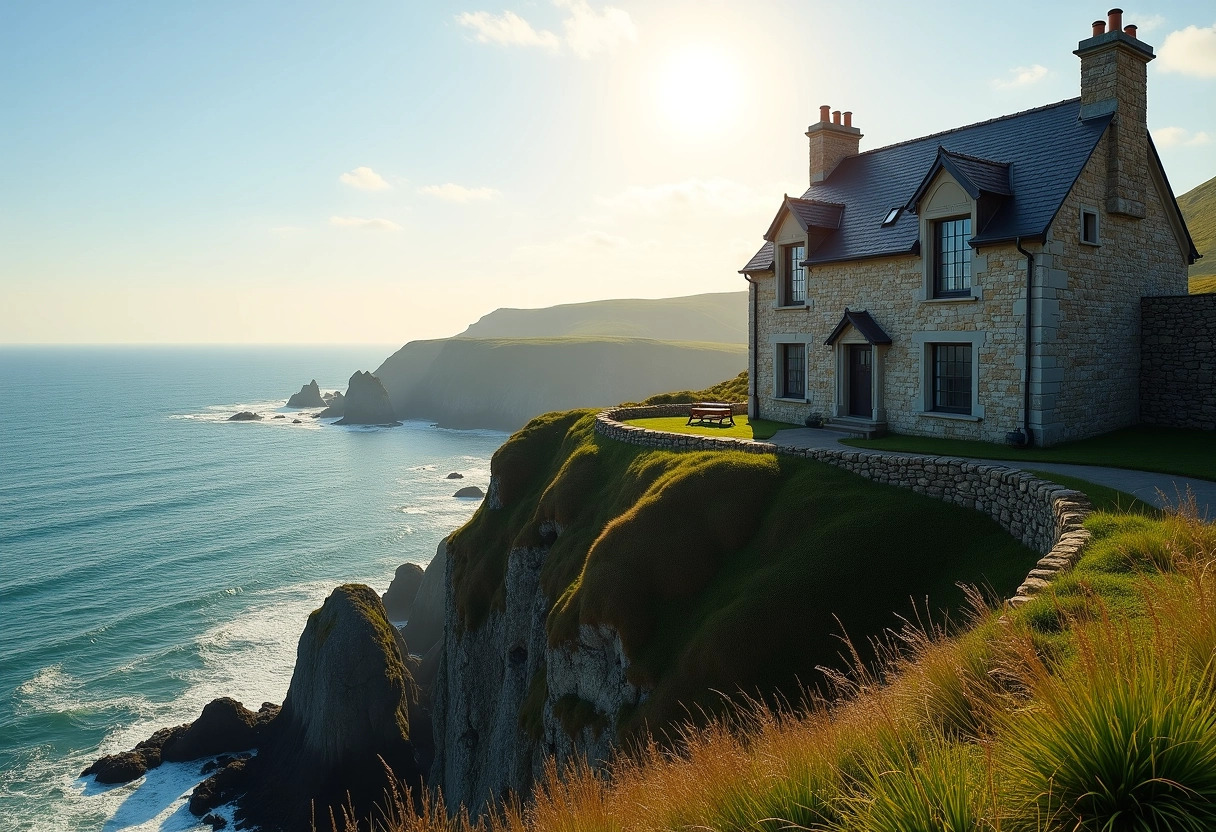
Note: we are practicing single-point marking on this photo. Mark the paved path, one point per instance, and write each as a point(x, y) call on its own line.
point(1144, 485)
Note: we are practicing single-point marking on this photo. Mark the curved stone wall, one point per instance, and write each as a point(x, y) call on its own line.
point(1045, 516)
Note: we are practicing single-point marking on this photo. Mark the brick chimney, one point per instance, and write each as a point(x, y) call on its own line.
point(831, 141)
point(1114, 79)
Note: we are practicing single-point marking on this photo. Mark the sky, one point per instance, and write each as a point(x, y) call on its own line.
point(379, 171)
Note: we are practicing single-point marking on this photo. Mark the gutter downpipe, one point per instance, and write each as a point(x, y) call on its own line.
point(1029, 343)
point(754, 406)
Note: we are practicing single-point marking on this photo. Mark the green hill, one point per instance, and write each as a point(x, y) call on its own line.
point(719, 317)
point(1199, 208)
point(501, 383)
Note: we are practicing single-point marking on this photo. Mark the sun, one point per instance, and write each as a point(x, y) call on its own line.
point(698, 90)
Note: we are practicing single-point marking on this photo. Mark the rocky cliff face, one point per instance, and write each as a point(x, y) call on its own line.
point(367, 402)
point(309, 396)
point(505, 699)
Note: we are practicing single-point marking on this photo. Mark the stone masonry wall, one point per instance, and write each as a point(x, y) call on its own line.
point(1178, 361)
point(1045, 516)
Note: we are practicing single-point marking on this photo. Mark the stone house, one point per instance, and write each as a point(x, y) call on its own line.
point(892, 295)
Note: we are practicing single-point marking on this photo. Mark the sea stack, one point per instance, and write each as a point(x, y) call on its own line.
point(367, 402)
point(309, 396)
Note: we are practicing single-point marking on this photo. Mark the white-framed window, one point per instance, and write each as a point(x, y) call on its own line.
point(950, 373)
point(793, 274)
point(1090, 232)
point(791, 371)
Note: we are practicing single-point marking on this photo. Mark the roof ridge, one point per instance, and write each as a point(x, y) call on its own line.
point(969, 126)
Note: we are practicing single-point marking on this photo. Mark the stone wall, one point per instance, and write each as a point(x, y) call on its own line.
point(1178, 361)
point(1045, 516)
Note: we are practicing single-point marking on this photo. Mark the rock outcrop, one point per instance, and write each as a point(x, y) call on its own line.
point(399, 598)
point(224, 725)
point(367, 402)
point(335, 406)
point(245, 416)
point(504, 700)
point(309, 396)
point(346, 717)
point(455, 476)
point(426, 621)
point(470, 491)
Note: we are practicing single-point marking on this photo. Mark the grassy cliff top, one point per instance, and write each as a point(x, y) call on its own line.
point(722, 571)
point(1199, 208)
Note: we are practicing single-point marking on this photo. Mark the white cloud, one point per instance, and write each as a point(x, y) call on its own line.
point(365, 179)
point(452, 192)
point(589, 32)
point(1179, 137)
point(365, 223)
point(506, 29)
point(1144, 22)
point(1190, 51)
point(1022, 76)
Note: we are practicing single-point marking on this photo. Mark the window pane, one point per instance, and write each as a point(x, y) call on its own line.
point(952, 258)
point(952, 378)
point(795, 274)
point(793, 371)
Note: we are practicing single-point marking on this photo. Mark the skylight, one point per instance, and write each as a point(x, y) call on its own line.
point(892, 216)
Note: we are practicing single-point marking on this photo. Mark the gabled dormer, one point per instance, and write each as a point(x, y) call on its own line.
point(800, 227)
point(956, 199)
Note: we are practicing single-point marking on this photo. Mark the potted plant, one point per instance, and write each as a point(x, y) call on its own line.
point(814, 420)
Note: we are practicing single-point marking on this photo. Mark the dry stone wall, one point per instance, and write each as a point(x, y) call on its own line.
point(1045, 516)
point(1178, 361)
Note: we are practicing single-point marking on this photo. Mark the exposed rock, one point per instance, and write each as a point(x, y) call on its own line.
point(221, 761)
point(367, 402)
point(335, 407)
point(470, 491)
point(399, 598)
point(425, 626)
point(296, 422)
point(220, 788)
point(345, 718)
point(455, 476)
point(280, 416)
point(245, 416)
point(309, 396)
point(224, 725)
point(215, 821)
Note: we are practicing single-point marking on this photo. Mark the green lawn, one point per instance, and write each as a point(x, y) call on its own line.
point(743, 428)
point(1189, 453)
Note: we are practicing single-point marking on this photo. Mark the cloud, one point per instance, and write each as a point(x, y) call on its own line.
point(589, 32)
point(1190, 51)
point(365, 223)
point(506, 29)
point(1179, 137)
point(1144, 22)
point(451, 192)
point(1022, 76)
point(365, 179)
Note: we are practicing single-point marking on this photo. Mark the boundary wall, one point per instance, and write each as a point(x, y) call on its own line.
point(1045, 516)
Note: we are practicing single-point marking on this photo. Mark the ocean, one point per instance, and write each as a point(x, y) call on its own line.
point(154, 556)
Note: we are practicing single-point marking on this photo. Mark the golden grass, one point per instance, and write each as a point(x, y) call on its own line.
point(1106, 720)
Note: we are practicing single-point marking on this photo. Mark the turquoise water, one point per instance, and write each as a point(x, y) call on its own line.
point(154, 556)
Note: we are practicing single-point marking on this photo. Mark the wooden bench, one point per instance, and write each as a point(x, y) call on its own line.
point(704, 412)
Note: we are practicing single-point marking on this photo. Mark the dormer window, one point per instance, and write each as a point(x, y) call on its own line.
point(952, 258)
point(891, 217)
point(793, 274)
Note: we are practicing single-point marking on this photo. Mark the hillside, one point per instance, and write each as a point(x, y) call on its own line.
point(501, 383)
point(719, 318)
point(603, 590)
point(1199, 208)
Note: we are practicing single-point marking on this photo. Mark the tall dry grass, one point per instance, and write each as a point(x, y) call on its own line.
point(1106, 720)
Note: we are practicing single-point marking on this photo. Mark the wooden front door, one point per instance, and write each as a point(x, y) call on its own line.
point(861, 375)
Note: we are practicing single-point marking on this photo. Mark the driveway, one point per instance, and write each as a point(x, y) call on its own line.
point(1155, 489)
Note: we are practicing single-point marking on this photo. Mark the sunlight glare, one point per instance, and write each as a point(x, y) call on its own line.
point(698, 90)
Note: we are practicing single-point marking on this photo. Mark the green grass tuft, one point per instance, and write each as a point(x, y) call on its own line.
point(744, 428)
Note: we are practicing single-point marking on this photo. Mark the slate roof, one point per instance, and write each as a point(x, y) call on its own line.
point(814, 213)
point(978, 177)
point(1044, 150)
point(762, 260)
point(863, 323)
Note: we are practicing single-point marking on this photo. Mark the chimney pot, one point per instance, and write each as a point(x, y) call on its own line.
point(1099, 27)
point(1114, 20)
point(848, 119)
point(824, 112)
point(1129, 30)
point(835, 116)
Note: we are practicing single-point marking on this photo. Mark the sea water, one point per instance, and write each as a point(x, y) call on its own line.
point(154, 555)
